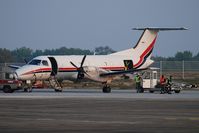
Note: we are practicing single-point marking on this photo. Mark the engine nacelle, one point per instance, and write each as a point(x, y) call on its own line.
point(93, 73)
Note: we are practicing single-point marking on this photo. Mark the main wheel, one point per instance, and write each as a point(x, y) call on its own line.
point(177, 91)
point(151, 91)
point(106, 89)
point(7, 89)
point(58, 90)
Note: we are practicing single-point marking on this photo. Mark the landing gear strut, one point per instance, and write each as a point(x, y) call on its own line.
point(28, 89)
point(27, 86)
point(106, 89)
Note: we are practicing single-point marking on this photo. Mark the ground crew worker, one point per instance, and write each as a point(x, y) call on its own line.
point(169, 80)
point(162, 83)
point(138, 83)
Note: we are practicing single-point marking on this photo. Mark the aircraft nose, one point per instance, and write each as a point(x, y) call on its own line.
point(23, 74)
point(17, 75)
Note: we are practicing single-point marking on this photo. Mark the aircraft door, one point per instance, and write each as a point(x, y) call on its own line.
point(154, 79)
point(128, 64)
point(53, 65)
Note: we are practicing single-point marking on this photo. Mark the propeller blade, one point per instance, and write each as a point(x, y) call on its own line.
point(73, 64)
point(25, 61)
point(80, 70)
point(83, 61)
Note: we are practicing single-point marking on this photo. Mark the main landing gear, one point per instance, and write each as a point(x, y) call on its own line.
point(28, 89)
point(106, 89)
point(27, 85)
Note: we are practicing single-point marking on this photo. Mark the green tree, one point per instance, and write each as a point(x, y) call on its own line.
point(37, 53)
point(196, 57)
point(22, 53)
point(158, 58)
point(103, 50)
point(186, 55)
point(6, 55)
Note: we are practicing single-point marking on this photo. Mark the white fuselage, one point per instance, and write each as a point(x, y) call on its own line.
point(65, 70)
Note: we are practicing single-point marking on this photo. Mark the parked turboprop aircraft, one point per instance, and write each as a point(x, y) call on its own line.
point(100, 68)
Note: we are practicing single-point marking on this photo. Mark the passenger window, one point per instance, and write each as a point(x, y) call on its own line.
point(45, 63)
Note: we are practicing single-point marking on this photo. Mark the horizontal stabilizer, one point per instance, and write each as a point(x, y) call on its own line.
point(160, 29)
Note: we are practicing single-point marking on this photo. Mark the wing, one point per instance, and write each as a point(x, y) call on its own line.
point(121, 72)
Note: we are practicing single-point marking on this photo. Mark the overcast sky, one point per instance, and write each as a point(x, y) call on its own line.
point(86, 24)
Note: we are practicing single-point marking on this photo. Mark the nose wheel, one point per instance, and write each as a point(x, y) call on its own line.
point(28, 89)
point(106, 89)
point(27, 86)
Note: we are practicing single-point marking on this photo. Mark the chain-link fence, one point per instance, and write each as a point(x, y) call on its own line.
point(179, 69)
point(5, 70)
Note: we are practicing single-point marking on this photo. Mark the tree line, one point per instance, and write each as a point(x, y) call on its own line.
point(179, 56)
point(24, 53)
point(19, 54)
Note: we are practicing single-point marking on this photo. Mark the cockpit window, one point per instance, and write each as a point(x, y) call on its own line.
point(35, 62)
point(45, 63)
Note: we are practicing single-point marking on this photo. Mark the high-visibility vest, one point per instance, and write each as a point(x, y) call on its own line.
point(137, 79)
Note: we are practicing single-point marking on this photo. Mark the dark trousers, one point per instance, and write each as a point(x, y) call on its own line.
point(138, 87)
point(162, 88)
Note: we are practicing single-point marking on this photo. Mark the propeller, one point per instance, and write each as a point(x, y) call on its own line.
point(25, 60)
point(80, 70)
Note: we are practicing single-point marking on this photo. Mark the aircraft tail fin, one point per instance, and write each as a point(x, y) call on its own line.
point(144, 47)
point(146, 41)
